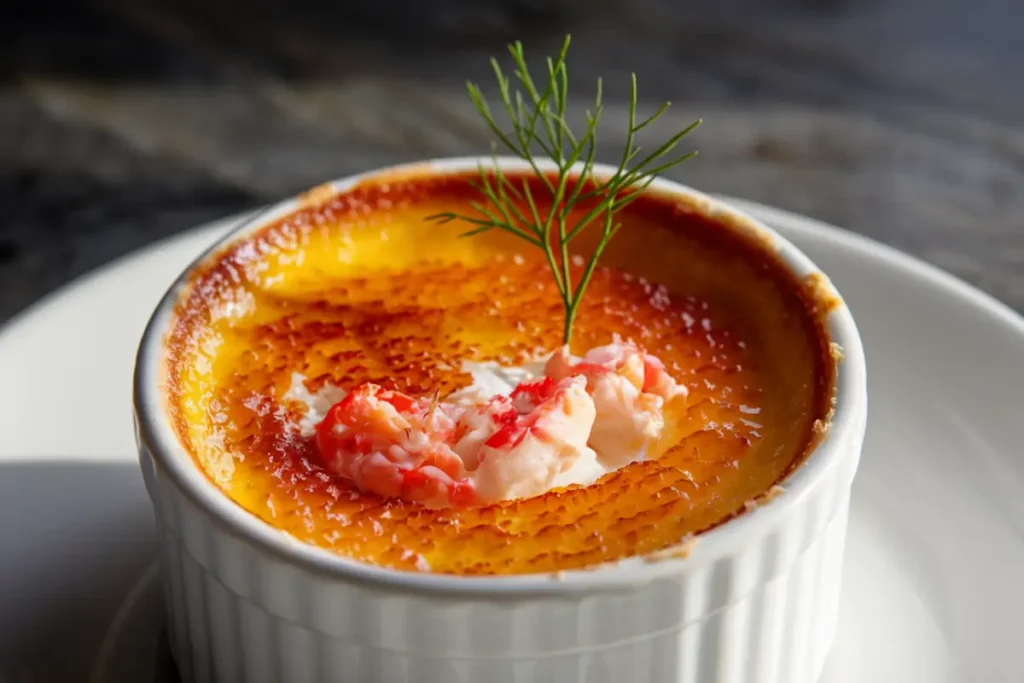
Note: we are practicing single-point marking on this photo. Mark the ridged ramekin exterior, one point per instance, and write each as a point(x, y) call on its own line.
point(756, 602)
point(764, 615)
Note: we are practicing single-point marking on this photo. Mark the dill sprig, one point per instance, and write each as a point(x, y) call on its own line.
point(538, 119)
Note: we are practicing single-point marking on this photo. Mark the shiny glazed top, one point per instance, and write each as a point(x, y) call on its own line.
point(358, 287)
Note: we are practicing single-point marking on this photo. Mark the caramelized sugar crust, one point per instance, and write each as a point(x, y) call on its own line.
point(360, 288)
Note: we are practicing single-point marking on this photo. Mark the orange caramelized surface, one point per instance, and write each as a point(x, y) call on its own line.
point(361, 288)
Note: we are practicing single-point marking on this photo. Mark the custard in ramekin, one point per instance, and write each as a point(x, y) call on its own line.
point(713, 554)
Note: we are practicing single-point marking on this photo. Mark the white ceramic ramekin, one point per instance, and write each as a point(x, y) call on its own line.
point(755, 601)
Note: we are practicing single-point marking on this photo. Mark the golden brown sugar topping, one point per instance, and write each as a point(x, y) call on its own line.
point(360, 288)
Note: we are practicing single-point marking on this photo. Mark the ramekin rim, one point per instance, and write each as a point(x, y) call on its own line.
point(846, 426)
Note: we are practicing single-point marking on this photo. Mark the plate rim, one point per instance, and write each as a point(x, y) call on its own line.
point(147, 582)
point(869, 247)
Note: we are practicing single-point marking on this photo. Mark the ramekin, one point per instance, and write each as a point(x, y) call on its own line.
point(754, 601)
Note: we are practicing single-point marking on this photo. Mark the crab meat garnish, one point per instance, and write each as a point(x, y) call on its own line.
point(394, 445)
point(581, 419)
point(455, 454)
point(630, 389)
point(541, 443)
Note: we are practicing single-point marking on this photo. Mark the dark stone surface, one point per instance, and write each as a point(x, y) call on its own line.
point(124, 121)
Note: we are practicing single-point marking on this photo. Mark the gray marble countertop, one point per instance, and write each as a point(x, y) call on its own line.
point(124, 121)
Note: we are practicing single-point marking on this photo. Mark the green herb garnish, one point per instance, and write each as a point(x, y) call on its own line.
point(538, 118)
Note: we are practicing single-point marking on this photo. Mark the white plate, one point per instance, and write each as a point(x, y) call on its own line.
point(934, 579)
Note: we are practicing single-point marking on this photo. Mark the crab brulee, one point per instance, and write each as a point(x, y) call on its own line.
point(383, 387)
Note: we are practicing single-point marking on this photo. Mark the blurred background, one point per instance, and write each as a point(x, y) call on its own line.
point(125, 121)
